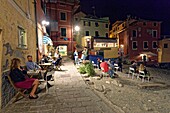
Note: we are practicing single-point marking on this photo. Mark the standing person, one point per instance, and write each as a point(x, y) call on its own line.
point(19, 79)
point(32, 65)
point(76, 57)
point(84, 54)
point(120, 64)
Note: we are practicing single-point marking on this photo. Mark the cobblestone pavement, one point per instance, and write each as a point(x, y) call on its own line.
point(68, 95)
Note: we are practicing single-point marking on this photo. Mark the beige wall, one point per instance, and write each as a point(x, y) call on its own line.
point(14, 13)
point(113, 53)
point(164, 53)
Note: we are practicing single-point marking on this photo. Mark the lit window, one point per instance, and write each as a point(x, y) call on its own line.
point(22, 40)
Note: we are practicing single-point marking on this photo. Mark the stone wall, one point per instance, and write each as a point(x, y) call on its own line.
point(15, 13)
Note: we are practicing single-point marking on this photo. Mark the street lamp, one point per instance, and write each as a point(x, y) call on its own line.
point(77, 28)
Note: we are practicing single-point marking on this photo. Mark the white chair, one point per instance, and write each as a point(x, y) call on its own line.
point(116, 67)
point(143, 75)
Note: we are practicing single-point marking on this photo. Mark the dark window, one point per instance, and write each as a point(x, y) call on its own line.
point(87, 33)
point(144, 23)
point(154, 45)
point(96, 24)
point(134, 33)
point(107, 35)
point(84, 23)
point(165, 45)
point(107, 26)
point(154, 33)
point(96, 33)
point(63, 16)
point(145, 45)
point(89, 23)
point(63, 32)
point(76, 19)
point(134, 45)
point(154, 24)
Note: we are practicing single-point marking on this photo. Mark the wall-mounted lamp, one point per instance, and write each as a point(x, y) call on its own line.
point(45, 23)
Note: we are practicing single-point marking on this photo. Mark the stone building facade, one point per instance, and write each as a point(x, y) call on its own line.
point(17, 39)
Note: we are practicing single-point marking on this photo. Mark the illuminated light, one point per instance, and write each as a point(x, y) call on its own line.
point(45, 23)
point(77, 28)
point(122, 45)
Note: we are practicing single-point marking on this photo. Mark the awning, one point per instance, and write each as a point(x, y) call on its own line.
point(47, 40)
point(149, 53)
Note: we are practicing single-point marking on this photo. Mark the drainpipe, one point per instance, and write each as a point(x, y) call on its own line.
point(36, 28)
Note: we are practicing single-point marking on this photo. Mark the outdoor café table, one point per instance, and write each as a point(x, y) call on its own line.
point(32, 73)
point(45, 66)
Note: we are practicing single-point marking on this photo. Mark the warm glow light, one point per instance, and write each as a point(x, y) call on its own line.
point(77, 28)
point(122, 45)
point(45, 23)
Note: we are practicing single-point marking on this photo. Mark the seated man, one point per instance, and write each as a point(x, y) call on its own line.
point(44, 59)
point(32, 65)
point(105, 68)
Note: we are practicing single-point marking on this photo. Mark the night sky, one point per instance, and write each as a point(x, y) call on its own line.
point(158, 10)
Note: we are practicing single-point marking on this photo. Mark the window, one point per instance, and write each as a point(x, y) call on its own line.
point(76, 19)
point(154, 24)
point(63, 32)
point(89, 23)
point(22, 40)
point(154, 45)
point(96, 24)
point(134, 33)
point(144, 23)
point(84, 23)
point(62, 16)
point(154, 33)
point(106, 25)
point(96, 33)
point(165, 45)
point(134, 45)
point(87, 33)
point(145, 45)
point(107, 35)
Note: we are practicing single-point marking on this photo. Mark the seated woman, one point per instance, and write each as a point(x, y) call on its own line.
point(143, 68)
point(20, 80)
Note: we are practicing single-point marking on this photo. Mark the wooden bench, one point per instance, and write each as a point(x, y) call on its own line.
point(143, 75)
point(116, 67)
point(20, 91)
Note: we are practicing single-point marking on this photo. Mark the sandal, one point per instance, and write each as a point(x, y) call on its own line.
point(33, 97)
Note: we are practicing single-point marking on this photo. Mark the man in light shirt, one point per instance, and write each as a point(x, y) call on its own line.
point(32, 65)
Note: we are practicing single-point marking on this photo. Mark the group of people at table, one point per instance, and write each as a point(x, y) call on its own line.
point(19, 75)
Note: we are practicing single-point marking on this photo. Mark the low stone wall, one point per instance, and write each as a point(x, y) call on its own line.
point(8, 91)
